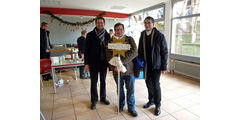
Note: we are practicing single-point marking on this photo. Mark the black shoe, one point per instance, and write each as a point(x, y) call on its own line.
point(105, 101)
point(120, 109)
point(157, 111)
point(83, 77)
point(148, 105)
point(93, 106)
point(50, 77)
point(45, 78)
point(133, 113)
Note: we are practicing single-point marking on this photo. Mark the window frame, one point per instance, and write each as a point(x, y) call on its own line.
point(160, 5)
point(186, 58)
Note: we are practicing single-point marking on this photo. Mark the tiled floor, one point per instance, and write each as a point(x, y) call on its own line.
point(180, 100)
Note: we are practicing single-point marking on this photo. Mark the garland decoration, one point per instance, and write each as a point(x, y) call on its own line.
point(71, 23)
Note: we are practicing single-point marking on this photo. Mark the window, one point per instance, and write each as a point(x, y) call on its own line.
point(136, 27)
point(136, 21)
point(186, 28)
point(155, 13)
point(160, 26)
point(186, 7)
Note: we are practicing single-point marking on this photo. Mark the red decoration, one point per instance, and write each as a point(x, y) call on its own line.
point(51, 20)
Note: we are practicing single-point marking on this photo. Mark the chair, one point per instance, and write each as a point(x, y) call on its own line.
point(45, 68)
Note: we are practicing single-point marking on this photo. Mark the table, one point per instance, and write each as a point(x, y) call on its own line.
point(64, 64)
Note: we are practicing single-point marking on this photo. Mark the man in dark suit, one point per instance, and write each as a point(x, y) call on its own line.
point(95, 60)
point(45, 45)
point(153, 50)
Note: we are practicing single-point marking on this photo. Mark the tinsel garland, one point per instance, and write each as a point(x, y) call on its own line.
point(71, 23)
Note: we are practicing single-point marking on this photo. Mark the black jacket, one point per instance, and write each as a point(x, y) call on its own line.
point(93, 48)
point(43, 44)
point(159, 50)
point(81, 44)
point(43, 40)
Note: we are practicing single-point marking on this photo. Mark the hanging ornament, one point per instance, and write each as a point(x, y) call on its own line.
point(51, 19)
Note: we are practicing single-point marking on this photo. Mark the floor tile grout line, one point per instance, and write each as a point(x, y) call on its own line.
point(171, 99)
point(99, 114)
point(53, 106)
point(69, 86)
point(173, 116)
point(89, 96)
point(180, 97)
point(195, 103)
point(181, 110)
point(123, 116)
point(172, 112)
point(190, 111)
point(145, 113)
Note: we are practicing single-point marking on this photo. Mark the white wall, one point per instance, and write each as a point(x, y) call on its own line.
point(63, 35)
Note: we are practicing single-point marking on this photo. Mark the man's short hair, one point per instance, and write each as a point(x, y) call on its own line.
point(149, 18)
point(118, 24)
point(99, 18)
point(83, 32)
point(111, 30)
point(43, 24)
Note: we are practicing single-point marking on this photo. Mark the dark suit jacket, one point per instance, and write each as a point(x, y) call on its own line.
point(93, 48)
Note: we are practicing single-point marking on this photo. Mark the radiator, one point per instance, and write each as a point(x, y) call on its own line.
point(186, 68)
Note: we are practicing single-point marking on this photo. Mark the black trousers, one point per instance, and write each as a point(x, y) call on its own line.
point(44, 54)
point(94, 79)
point(153, 85)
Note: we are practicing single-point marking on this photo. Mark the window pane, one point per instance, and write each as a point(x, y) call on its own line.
point(136, 27)
point(186, 7)
point(156, 13)
point(136, 19)
point(186, 36)
point(159, 26)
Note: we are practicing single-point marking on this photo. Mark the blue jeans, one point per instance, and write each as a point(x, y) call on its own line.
point(130, 83)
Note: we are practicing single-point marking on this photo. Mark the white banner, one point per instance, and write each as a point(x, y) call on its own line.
point(119, 46)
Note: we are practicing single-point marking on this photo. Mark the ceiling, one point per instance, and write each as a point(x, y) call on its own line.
point(119, 6)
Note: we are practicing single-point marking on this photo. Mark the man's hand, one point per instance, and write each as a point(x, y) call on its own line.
point(164, 71)
point(87, 67)
point(47, 50)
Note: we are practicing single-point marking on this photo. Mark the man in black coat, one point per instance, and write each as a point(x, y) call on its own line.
point(45, 44)
point(81, 46)
point(95, 60)
point(153, 50)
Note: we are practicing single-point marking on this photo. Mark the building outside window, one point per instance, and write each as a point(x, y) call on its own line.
point(186, 28)
point(136, 20)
